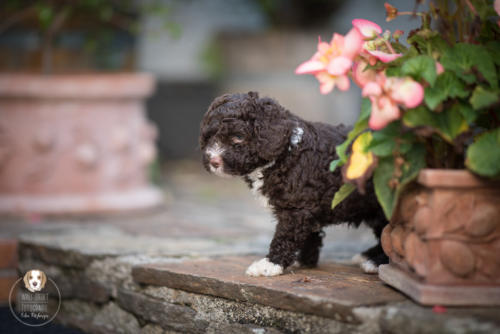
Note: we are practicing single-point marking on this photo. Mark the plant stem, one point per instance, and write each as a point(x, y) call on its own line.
point(386, 42)
point(471, 7)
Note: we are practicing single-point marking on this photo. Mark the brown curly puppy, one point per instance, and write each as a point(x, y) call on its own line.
point(285, 160)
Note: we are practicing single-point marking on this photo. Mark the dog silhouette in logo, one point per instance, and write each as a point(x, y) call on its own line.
point(34, 280)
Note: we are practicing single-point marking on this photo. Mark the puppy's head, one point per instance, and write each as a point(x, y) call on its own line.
point(34, 280)
point(241, 132)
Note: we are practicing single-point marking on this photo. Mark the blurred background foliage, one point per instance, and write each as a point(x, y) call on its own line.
point(74, 35)
point(197, 49)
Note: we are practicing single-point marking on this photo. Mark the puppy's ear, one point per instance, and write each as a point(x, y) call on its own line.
point(25, 279)
point(44, 279)
point(272, 128)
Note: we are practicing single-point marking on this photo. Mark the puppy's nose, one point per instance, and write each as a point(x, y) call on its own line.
point(35, 283)
point(216, 162)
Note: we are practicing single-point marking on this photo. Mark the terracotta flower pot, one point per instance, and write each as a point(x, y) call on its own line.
point(75, 143)
point(444, 240)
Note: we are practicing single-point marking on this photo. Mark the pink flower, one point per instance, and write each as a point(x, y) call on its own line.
point(331, 63)
point(405, 91)
point(383, 56)
point(371, 89)
point(439, 68)
point(367, 28)
point(361, 75)
point(327, 82)
point(387, 94)
point(384, 111)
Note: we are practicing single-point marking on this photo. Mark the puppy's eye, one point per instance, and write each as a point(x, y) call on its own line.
point(236, 140)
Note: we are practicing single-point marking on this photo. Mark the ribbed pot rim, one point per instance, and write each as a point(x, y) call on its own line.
point(81, 86)
point(453, 178)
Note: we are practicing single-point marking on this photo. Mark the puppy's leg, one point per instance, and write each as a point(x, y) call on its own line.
point(309, 254)
point(370, 259)
point(292, 231)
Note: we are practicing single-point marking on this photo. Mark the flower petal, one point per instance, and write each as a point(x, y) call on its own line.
point(367, 28)
point(323, 47)
point(406, 91)
point(384, 57)
point(384, 111)
point(497, 6)
point(371, 89)
point(361, 75)
point(310, 67)
point(326, 87)
point(353, 43)
point(339, 66)
point(439, 68)
point(326, 82)
point(337, 41)
point(342, 82)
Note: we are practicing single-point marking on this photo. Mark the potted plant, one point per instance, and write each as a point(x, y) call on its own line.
point(428, 135)
point(73, 139)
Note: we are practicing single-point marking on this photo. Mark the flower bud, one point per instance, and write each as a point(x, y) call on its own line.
point(391, 12)
point(397, 34)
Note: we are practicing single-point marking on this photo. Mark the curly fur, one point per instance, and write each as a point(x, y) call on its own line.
point(255, 133)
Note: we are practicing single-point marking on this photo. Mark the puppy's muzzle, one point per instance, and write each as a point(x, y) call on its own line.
point(215, 162)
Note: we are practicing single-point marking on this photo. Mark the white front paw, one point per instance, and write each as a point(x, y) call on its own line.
point(358, 259)
point(369, 267)
point(264, 267)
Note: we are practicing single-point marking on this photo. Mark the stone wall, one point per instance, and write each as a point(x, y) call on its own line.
point(100, 296)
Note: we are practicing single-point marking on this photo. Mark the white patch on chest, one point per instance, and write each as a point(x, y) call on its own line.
point(297, 134)
point(296, 137)
point(257, 179)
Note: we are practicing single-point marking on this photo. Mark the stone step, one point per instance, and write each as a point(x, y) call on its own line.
point(331, 290)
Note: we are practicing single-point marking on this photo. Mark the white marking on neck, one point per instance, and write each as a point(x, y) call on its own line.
point(257, 178)
point(297, 134)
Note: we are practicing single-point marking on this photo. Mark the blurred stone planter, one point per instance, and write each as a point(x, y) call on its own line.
point(75, 143)
point(444, 240)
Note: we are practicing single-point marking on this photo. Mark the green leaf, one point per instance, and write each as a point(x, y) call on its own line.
point(421, 67)
point(448, 123)
point(387, 196)
point(493, 48)
point(360, 126)
point(447, 85)
point(393, 71)
point(469, 114)
point(463, 56)
point(482, 98)
point(428, 42)
point(45, 15)
point(366, 109)
point(384, 142)
point(333, 165)
point(483, 156)
point(342, 193)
